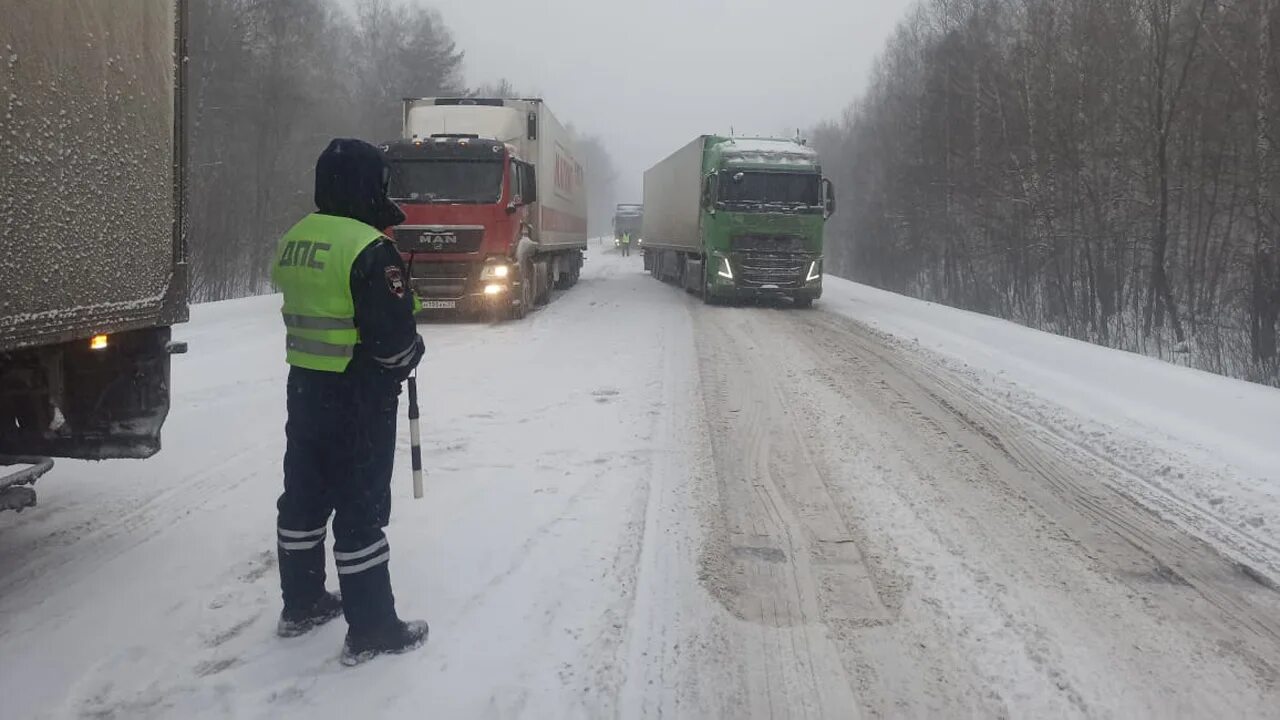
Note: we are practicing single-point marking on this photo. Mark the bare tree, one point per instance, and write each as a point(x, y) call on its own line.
point(601, 179)
point(271, 82)
point(1105, 170)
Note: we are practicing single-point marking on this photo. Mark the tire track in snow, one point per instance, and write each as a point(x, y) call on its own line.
point(1180, 578)
point(1075, 479)
point(114, 534)
point(784, 560)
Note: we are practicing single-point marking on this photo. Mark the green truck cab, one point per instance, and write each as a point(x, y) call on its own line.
point(736, 219)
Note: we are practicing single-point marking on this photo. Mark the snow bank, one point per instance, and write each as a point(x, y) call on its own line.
point(1209, 440)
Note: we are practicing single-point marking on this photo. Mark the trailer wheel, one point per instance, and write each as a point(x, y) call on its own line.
point(568, 276)
point(564, 280)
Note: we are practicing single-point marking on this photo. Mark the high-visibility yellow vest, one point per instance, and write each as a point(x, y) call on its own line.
point(313, 270)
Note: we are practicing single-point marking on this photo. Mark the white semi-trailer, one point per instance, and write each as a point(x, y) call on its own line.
point(92, 262)
point(496, 203)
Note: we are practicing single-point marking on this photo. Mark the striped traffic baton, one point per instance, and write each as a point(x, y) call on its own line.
point(415, 438)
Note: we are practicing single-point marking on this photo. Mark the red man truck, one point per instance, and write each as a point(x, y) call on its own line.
point(495, 203)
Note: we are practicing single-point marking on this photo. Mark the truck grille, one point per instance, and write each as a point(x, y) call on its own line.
point(441, 281)
point(428, 239)
point(784, 270)
point(767, 243)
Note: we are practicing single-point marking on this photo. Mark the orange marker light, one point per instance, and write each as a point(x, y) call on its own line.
point(99, 342)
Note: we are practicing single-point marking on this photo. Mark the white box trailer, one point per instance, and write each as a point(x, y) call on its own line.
point(93, 270)
point(672, 200)
point(538, 138)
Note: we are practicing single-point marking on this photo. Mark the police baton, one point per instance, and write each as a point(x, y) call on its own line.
point(415, 439)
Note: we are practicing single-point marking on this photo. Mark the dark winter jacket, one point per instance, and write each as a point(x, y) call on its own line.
point(351, 182)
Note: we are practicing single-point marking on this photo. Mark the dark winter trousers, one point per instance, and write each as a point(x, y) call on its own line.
point(340, 446)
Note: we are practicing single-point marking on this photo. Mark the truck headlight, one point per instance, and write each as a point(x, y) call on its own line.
point(815, 271)
point(725, 271)
point(495, 272)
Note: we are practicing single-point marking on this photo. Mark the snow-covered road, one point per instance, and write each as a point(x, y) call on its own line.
point(639, 506)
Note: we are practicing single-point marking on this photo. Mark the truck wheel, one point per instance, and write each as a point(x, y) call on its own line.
point(519, 311)
point(802, 303)
point(542, 283)
point(705, 293)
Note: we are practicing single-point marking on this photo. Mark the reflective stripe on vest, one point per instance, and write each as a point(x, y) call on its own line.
point(313, 270)
point(318, 347)
point(304, 322)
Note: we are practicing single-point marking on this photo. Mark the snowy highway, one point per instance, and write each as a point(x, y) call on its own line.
point(639, 506)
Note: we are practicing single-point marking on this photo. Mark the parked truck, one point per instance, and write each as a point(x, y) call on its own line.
point(738, 219)
point(627, 218)
point(495, 201)
point(92, 268)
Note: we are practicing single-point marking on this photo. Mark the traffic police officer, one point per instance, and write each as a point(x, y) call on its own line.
point(351, 341)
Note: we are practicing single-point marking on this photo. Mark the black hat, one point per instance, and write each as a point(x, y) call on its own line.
point(351, 181)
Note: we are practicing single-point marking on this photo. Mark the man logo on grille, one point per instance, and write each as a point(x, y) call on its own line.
point(439, 241)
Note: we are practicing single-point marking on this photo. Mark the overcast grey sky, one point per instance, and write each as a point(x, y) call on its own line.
point(649, 75)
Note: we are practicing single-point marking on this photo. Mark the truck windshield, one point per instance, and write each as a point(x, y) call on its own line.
point(446, 181)
point(752, 189)
point(627, 223)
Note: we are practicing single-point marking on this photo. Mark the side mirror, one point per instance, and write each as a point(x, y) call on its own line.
point(530, 185)
point(828, 198)
point(709, 193)
point(533, 126)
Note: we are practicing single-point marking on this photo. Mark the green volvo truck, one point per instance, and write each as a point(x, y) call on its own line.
point(738, 219)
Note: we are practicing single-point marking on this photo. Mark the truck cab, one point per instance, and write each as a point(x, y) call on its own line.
point(765, 204)
point(467, 203)
point(738, 219)
point(628, 218)
point(480, 238)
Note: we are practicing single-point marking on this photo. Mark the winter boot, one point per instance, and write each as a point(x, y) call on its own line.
point(326, 608)
point(400, 637)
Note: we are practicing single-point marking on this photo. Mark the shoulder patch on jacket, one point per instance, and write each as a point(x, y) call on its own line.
point(395, 280)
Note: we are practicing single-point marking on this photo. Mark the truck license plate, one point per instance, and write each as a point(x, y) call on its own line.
point(439, 304)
